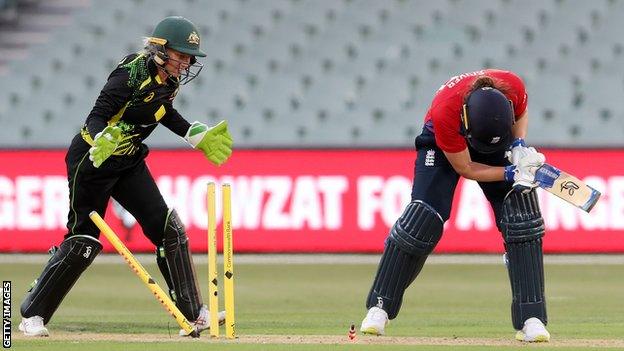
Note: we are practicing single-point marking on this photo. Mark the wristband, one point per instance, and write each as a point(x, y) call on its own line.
point(509, 173)
point(518, 142)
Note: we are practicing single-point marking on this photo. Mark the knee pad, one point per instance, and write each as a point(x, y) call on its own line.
point(521, 217)
point(418, 230)
point(67, 263)
point(181, 268)
point(411, 239)
point(523, 228)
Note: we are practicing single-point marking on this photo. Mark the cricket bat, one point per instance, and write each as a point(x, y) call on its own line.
point(566, 187)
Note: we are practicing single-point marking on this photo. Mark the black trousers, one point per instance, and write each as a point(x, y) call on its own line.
point(126, 178)
point(435, 179)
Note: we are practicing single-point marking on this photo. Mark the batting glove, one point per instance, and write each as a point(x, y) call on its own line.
point(518, 151)
point(523, 174)
point(104, 144)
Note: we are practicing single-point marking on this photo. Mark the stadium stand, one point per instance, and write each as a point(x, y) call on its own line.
point(319, 73)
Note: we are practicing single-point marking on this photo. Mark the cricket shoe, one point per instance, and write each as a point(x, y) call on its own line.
point(33, 326)
point(533, 331)
point(375, 322)
point(203, 321)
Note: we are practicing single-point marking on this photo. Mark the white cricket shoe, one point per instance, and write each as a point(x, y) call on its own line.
point(33, 326)
point(203, 321)
point(533, 331)
point(375, 321)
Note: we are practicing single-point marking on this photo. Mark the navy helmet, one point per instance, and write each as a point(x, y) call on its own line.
point(487, 118)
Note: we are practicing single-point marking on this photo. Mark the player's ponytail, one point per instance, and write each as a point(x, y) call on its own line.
point(482, 82)
point(487, 81)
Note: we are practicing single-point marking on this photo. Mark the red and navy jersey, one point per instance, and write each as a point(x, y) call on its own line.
point(444, 115)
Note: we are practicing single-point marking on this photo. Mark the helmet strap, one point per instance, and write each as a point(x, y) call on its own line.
point(465, 127)
point(160, 60)
point(170, 77)
point(160, 55)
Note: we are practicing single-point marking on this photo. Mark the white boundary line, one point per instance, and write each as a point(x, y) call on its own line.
point(589, 259)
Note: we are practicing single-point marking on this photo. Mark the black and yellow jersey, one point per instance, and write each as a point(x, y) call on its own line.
point(135, 99)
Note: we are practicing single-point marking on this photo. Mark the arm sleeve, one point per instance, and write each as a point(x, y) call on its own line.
point(113, 97)
point(174, 121)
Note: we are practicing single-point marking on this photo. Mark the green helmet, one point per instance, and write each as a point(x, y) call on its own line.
point(179, 34)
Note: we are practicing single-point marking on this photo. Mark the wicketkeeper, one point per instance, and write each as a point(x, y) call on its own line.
point(107, 158)
point(474, 119)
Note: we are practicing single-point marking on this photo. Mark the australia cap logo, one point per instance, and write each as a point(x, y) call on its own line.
point(193, 38)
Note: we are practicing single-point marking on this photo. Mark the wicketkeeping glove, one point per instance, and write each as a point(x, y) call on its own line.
point(215, 142)
point(104, 144)
point(523, 174)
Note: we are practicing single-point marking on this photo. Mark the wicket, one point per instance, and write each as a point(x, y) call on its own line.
point(136, 266)
point(228, 263)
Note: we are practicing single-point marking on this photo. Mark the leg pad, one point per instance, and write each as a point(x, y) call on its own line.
point(412, 238)
point(181, 268)
point(523, 229)
point(67, 263)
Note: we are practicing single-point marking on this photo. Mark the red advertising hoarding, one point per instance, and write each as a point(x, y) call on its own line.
point(307, 201)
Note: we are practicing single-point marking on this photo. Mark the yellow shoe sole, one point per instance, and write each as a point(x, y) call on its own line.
point(540, 338)
point(371, 331)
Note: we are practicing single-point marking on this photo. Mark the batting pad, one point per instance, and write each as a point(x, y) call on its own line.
point(412, 238)
point(523, 229)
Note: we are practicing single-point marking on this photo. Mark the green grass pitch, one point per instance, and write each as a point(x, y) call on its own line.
point(286, 306)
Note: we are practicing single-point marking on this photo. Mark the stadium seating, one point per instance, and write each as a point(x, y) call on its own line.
point(334, 73)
